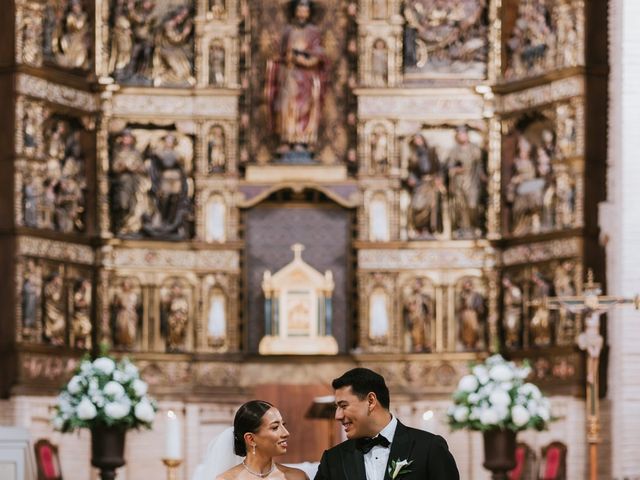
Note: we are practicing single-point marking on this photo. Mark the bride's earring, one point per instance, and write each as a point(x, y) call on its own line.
point(254, 448)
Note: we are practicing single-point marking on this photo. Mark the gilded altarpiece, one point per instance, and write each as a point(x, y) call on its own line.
point(438, 169)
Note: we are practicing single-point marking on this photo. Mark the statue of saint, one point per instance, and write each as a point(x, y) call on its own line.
point(54, 314)
point(31, 286)
point(426, 186)
point(130, 186)
point(81, 321)
point(471, 309)
point(172, 59)
point(217, 9)
point(512, 311)
point(379, 149)
point(30, 202)
point(217, 150)
point(467, 180)
point(169, 191)
point(121, 40)
point(140, 15)
point(379, 63)
point(216, 64)
point(295, 82)
point(70, 42)
point(126, 304)
point(175, 317)
point(419, 316)
point(540, 324)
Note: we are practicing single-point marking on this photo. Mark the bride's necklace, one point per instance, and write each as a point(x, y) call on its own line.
point(258, 474)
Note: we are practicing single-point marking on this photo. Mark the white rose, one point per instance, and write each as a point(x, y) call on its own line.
point(120, 377)
point(489, 416)
point(94, 386)
point(520, 415)
point(468, 383)
point(105, 365)
point(481, 373)
point(523, 372)
point(543, 413)
point(499, 398)
point(139, 387)
point(131, 370)
point(85, 367)
point(117, 410)
point(501, 373)
point(98, 400)
point(57, 422)
point(75, 385)
point(64, 404)
point(473, 398)
point(86, 410)
point(531, 390)
point(114, 389)
point(502, 412)
point(461, 414)
point(475, 413)
point(144, 411)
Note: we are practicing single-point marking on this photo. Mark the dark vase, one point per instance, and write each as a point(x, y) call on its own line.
point(499, 452)
point(107, 450)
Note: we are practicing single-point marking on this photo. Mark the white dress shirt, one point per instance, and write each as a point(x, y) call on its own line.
point(375, 460)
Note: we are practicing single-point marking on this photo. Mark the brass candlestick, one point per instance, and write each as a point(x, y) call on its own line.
point(172, 467)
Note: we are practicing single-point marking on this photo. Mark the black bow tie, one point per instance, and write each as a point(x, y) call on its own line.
point(367, 443)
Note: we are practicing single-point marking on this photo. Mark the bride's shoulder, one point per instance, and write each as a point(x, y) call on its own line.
point(292, 473)
point(231, 474)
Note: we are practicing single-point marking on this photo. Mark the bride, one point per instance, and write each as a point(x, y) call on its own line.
point(258, 434)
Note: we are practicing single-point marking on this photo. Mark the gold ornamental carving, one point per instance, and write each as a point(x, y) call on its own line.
point(56, 250)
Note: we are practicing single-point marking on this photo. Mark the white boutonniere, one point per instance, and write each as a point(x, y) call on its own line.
point(399, 467)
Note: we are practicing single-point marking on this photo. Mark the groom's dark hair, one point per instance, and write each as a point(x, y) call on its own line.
point(363, 381)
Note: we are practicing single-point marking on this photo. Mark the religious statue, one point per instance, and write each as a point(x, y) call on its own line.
point(512, 311)
point(30, 202)
point(426, 186)
point(172, 58)
point(295, 83)
point(467, 180)
point(140, 15)
point(31, 41)
point(125, 306)
point(564, 196)
point(217, 150)
point(31, 126)
point(379, 149)
point(471, 310)
point(379, 64)
point(54, 310)
point(568, 39)
point(216, 64)
point(175, 317)
point(121, 40)
point(170, 195)
point(130, 186)
point(445, 36)
point(81, 321)
point(419, 316)
point(31, 289)
point(540, 324)
point(564, 286)
point(531, 46)
point(70, 41)
point(524, 191)
point(544, 171)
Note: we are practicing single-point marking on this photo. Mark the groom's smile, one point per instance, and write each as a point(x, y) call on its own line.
point(352, 413)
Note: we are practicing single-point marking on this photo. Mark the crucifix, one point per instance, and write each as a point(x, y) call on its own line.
point(591, 305)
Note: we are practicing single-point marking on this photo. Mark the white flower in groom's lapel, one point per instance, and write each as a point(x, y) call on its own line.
point(398, 467)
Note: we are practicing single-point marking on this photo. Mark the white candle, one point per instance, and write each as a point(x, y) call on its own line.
point(173, 448)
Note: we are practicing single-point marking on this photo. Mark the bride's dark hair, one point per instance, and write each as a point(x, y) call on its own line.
point(248, 419)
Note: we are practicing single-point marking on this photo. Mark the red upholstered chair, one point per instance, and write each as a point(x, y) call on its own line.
point(47, 460)
point(525, 463)
point(553, 463)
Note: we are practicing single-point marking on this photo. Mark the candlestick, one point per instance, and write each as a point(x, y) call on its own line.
point(172, 467)
point(173, 444)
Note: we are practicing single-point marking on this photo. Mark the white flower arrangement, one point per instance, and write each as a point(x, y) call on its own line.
point(104, 392)
point(496, 395)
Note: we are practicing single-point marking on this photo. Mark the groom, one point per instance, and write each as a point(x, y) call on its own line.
point(378, 446)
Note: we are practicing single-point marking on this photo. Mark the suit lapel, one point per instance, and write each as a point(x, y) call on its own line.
point(400, 448)
point(353, 463)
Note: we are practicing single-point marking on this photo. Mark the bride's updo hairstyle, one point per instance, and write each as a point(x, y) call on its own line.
point(248, 419)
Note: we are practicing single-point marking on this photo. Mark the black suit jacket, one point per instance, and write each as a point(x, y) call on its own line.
point(430, 454)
